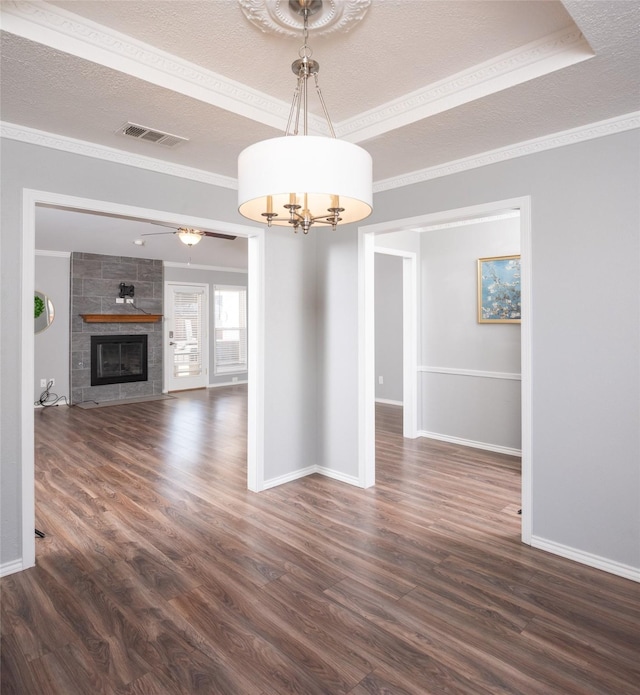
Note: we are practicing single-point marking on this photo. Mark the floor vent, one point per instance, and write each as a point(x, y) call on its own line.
point(140, 132)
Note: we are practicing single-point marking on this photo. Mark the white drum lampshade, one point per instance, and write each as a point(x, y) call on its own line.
point(330, 172)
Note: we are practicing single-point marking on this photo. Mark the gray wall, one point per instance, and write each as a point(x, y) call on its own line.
point(31, 166)
point(388, 327)
point(212, 277)
point(51, 346)
point(586, 332)
point(479, 407)
point(291, 436)
point(585, 324)
point(337, 364)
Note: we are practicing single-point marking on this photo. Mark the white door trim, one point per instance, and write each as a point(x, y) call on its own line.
point(366, 363)
point(256, 248)
point(366, 359)
point(409, 339)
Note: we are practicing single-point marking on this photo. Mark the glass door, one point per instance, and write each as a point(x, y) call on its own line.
point(186, 337)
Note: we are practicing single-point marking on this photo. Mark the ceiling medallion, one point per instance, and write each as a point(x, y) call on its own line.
point(278, 16)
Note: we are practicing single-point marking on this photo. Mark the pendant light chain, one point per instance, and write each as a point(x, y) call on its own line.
point(304, 67)
point(305, 29)
point(324, 107)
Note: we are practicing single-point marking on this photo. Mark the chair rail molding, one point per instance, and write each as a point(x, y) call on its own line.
point(479, 373)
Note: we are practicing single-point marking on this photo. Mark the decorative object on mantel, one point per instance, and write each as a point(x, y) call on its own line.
point(299, 180)
point(121, 318)
point(272, 17)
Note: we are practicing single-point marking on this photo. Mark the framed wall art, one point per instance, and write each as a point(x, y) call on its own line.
point(499, 289)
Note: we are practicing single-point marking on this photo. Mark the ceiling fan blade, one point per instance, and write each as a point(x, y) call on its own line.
point(164, 224)
point(218, 235)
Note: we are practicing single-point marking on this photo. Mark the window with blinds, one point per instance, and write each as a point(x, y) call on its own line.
point(230, 329)
point(187, 334)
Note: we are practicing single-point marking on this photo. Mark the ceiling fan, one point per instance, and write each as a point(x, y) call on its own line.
point(190, 236)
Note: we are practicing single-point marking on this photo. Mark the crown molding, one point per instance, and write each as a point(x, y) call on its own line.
point(554, 52)
point(67, 32)
point(110, 154)
point(612, 126)
point(57, 28)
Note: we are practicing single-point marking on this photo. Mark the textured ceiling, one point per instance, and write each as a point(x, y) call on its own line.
point(418, 84)
point(64, 230)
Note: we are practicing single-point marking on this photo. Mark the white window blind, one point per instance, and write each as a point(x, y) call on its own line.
point(187, 356)
point(230, 328)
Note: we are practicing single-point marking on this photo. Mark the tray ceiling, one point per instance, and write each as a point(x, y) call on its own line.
point(418, 84)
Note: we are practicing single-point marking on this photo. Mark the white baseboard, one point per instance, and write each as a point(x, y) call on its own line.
point(387, 401)
point(588, 559)
point(213, 386)
point(310, 470)
point(11, 568)
point(336, 475)
point(470, 442)
point(288, 477)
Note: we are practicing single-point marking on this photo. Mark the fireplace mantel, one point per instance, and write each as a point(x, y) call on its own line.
point(121, 318)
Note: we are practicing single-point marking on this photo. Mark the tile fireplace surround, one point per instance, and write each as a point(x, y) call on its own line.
point(95, 281)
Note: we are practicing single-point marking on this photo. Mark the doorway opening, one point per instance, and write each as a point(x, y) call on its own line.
point(255, 409)
point(367, 376)
point(408, 353)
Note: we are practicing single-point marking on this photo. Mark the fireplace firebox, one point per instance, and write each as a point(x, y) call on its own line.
point(118, 359)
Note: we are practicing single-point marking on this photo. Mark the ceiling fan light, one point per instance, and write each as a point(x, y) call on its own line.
point(189, 237)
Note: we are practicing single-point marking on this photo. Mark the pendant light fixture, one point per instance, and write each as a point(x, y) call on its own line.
point(299, 180)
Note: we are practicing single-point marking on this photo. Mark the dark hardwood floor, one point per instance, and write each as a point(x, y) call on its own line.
point(161, 574)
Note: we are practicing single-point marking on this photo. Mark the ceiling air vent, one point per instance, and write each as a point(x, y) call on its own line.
point(141, 132)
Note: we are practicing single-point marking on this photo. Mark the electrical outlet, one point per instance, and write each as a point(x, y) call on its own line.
point(129, 300)
point(52, 380)
point(43, 383)
point(381, 380)
point(119, 300)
